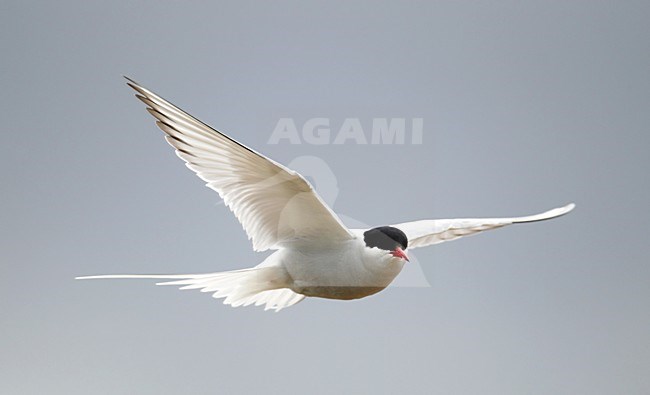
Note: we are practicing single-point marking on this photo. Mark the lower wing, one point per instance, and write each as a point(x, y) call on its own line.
point(428, 232)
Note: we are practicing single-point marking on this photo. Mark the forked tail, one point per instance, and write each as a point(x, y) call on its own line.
point(259, 286)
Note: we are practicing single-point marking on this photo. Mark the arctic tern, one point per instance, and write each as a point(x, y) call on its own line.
point(315, 254)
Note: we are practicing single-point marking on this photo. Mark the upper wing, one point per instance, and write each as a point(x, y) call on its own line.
point(428, 232)
point(274, 204)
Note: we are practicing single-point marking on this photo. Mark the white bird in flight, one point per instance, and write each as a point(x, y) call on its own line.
point(315, 254)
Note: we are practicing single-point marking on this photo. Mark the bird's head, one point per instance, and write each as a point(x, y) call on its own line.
point(391, 240)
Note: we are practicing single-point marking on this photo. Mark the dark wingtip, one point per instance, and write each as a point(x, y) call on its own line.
point(132, 83)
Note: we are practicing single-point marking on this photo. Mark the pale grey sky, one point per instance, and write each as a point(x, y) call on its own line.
point(525, 106)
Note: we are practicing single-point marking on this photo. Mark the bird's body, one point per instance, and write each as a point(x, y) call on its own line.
point(315, 254)
point(347, 271)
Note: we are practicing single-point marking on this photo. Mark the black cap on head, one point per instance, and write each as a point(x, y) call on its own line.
point(385, 237)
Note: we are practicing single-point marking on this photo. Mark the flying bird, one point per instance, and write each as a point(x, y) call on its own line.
point(315, 254)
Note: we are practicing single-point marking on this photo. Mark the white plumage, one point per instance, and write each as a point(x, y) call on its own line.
point(316, 255)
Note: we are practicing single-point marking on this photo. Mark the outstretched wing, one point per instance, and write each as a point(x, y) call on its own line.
point(428, 232)
point(274, 204)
